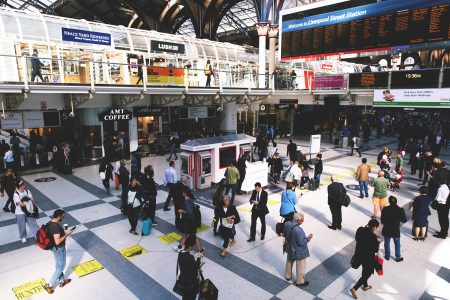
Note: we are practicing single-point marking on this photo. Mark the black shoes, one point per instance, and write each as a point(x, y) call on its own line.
point(361, 197)
point(262, 238)
point(251, 240)
point(440, 236)
point(306, 283)
point(386, 258)
point(166, 208)
point(5, 209)
point(332, 227)
point(399, 259)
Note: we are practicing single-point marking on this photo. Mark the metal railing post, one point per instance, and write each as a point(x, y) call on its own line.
point(25, 74)
point(91, 75)
point(144, 76)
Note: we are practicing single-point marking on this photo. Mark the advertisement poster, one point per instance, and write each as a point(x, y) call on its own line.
point(412, 98)
point(33, 119)
point(165, 76)
point(12, 120)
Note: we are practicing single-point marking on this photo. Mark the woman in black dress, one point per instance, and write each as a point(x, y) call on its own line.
point(227, 216)
point(367, 246)
point(150, 192)
point(421, 211)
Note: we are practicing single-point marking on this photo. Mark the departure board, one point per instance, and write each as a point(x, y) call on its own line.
point(381, 25)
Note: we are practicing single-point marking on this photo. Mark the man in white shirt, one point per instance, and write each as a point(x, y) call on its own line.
point(297, 172)
point(20, 193)
point(442, 209)
point(170, 179)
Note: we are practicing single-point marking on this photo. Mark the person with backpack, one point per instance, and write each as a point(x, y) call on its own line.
point(58, 238)
point(9, 185)
point(21, 218)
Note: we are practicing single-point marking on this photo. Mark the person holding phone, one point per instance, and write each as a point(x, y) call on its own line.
point(59, 236)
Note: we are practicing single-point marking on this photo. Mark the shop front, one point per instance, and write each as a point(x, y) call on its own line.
point(115, 133)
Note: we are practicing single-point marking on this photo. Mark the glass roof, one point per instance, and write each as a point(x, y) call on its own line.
point(27, 5)
point(241, 16)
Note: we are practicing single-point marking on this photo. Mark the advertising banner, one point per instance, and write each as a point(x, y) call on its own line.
point(330, 82)
point(412, 98)
point(165, 76)
point(83, 36)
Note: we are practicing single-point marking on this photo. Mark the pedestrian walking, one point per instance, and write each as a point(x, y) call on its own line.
point(218, 202)
point(258, 200)
point(189, 270)
point(124, 179)
point(292, 151)
point(8, 185)
point(208, 73)
point(318, 169)
point(188, 227)
point(105, 171)
point(336, 192)
point(136, 164)
point(134, 203)
point(173, 144)
point(391, 217)
point(232, 177)
point(277, 165)
point(297, 249)
point(362, 176)
point(367, 246)
point(288, 203)
point(380, 185)
point(36, 66)
point(170, 179)
point(59, 235)
point(355, 143)
point(241, 165)
point(227, 217)
point(149, 193)
point(21, 197)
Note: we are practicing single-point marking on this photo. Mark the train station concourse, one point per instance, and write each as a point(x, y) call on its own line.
point(243, 149)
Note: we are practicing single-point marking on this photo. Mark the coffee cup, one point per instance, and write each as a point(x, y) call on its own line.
point(66, 226)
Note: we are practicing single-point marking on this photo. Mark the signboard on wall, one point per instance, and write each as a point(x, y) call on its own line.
point(33, 119)
point(165, 76)
point(412, 98)
point(197, 112)
point(84, 36)
point(161, 46)
point(13, 120)
point(115, 114)
point(149, 111)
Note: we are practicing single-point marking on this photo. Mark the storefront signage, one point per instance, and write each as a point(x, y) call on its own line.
point(83, 36)
point(288, 101)
point(197, 112)
point(12, 120)
point(329, 82)
point(161, 46)
point(415, 79)
point(149, 111)
point(369, 80)
point(115, 114)
point(412, 98)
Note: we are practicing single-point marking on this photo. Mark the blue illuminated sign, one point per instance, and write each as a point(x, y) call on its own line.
point(355, 13)
point(83, 36)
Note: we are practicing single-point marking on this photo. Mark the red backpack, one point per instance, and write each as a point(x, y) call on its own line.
point(43, 238)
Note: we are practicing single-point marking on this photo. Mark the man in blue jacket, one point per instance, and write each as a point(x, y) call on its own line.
point(297, 249)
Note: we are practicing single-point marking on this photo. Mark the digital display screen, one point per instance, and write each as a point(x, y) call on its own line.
point(377, 26)
point(415, 78)
point(369, 80)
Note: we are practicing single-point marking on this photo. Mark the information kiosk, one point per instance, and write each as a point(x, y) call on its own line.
point(204, 161)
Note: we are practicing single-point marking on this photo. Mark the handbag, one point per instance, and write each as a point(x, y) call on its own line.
point(286, 240)
point(434, 204)
point(178, 288)
point(378, 264)
point(346, 201)
point(355, 263)
point(279, 227)
point(102, 175)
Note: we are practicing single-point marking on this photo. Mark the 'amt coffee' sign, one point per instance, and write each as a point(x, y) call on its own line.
point(115, 114)
point(167, 47)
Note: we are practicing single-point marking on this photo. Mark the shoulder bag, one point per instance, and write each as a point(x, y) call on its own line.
point(286, 240)
point(279, 228)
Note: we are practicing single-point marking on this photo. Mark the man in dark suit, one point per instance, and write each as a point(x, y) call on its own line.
point(336, 192)
point(259, 210)
point(391, 216)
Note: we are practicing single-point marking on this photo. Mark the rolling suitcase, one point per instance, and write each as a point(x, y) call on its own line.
point(146, 227)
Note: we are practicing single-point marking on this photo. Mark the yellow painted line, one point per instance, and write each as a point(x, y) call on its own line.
point(87, 268)
point(273, 202)
point(170, 238)
point(245, 207)
point(29, 289)
point(133, 251)
point(202, 228)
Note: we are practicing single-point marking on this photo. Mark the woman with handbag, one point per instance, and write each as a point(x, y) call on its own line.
point(134, 203)
point(227, 216)
point(188, 282)
point(288, 202)
point(420, 213)
point(367, 245)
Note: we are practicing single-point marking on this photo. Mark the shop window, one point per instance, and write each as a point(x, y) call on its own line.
point(184, 165)
point(227, 156)
point(206, 165)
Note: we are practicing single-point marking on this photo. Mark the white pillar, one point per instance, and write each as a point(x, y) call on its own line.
point(273, 34)
point(229, 121)
point(262, 29)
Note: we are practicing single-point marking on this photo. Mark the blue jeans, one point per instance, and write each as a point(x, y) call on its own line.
point(173, 151)
point(317, 178)
point(233, 188)
point(60, 258)
point(387, 247)
point(364, 187)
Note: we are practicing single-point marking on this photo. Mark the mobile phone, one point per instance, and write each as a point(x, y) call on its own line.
point(73, 228)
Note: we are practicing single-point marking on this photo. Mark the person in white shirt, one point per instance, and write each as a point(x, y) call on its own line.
point(296, 172)
point(170, 179)
point(442, 209)
point(21, 218)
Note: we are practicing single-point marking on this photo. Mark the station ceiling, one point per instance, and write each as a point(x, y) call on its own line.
point(224, 20)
